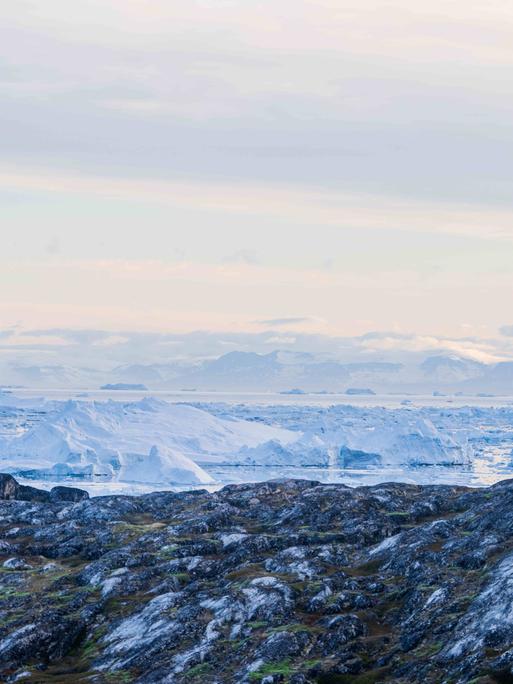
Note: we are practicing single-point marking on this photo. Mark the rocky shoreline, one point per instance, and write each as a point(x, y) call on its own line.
point(284, 581)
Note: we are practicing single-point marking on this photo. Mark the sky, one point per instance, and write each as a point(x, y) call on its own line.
point(323, 168)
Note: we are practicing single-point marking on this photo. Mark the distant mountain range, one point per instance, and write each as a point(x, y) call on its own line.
point(280, 371)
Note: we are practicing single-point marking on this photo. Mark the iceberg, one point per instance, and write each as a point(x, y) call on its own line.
point(349, 437)
point(162, 466)
point(145, 441)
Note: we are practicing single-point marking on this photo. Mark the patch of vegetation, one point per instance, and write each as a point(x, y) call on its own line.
point(430, 650)
point(198, 670)
point(247, 572)
point(370, 568)
point(257, 624)
point(119, 677)
point(398, 514)
point(310, 664)
point(91, 647)
point(168, 551)
point(183, 577)
point(12, 593)
point(283, 668)
point(295, 627)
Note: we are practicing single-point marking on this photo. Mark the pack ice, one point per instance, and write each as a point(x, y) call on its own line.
point(351, 437)
point(156, 442)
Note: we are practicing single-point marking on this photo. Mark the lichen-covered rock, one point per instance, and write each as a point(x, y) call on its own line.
point(286, 581)
point(71, 494)
point(46, 640)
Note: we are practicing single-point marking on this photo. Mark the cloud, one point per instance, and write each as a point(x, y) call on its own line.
point(154, 295)
point(405, 92)
point(483, 351)
point(321, 206)
point(311, 133)
point(506, 330)
point(244, 256)
point(278, 340)
point(105, 349)
point(53, 246)
point(71, 335)
point(281, 322)
point(34, 341)
point(112, 341)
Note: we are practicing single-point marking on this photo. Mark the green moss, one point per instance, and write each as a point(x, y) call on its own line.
point(430, 649)
point(168, 551)
point(295, 627)
point(258, 624)
point(181, 576)
point(247, 572)
point(91, 646)
point(198, 670)
point(370, 568)
point(119, 677)
point(309, 664)
point(398, 514)
point(283, 668)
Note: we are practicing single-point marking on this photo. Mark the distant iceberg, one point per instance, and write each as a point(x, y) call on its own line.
point(126, 386)
point(357, 391)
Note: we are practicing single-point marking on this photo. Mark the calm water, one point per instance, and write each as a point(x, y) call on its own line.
point(470, 477)
point(262, 398)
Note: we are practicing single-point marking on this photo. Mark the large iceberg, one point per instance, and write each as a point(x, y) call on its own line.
point(145, 441)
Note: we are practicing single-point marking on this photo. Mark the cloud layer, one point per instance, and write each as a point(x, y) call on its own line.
point(171, 167)
point(101, 349)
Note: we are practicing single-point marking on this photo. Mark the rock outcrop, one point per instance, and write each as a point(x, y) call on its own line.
point(11, 489)
point(284, 581)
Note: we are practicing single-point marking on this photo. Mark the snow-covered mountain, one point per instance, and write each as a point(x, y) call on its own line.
point(497, 379)
point(279, 371)
point(50, 376)
point(451, 370)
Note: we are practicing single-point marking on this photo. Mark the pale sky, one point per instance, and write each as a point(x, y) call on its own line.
point(217, 164)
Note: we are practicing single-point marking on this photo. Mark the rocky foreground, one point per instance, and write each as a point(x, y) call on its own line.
point(285, 581)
